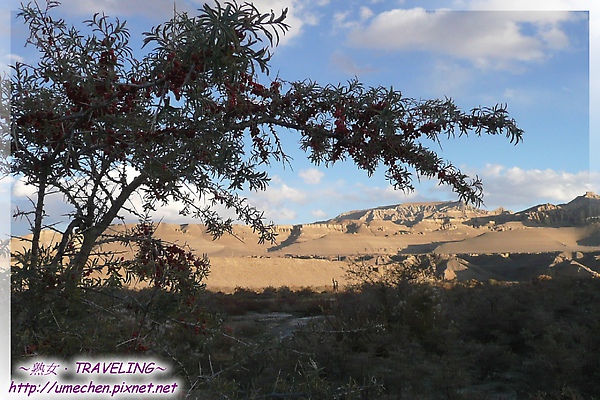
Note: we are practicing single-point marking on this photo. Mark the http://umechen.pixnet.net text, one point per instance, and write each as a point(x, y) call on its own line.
point(84, 379)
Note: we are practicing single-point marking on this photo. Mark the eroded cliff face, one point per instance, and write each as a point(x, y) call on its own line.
point(583, 210)
point(412, 228)
point(580, 211)
point(423, 227)
point(410, 214)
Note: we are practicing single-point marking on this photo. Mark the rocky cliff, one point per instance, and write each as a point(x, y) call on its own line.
point(580, 211)
point(410, 214)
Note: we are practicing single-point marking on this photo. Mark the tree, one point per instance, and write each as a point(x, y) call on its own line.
point(191, 120)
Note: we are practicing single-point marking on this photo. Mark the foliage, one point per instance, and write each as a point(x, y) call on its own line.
point(530, 340)
point(190, 121)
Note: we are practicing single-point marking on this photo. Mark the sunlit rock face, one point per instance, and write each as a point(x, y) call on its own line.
point(580, 211)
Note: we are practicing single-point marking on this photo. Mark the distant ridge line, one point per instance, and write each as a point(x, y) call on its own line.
point(581, 210)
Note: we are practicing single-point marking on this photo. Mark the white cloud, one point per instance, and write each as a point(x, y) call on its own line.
point(285, 193)
point(311, 176)
point(340, 20)
point(278, 200)
point(283, 214)
point(510, 93)
point(320, 214)
point(343, 19)
point(366, 13)
point(7, 59)
point(494, 170)
point(554, 37)
point(513, 188)
point(516, 187)
point(156, 10)
point(494, 40)
point(5, 186)
point(387, 195)
point(547, 5)
point(22, 189)
point(300, 14)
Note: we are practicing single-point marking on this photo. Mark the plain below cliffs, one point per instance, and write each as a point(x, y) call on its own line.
point(470, 243)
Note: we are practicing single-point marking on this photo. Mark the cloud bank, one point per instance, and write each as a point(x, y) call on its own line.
point(489, 40)
point(300, 14)
point(317, 197)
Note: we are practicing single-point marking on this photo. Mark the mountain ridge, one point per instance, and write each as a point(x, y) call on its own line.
point(579, 211)
point(465, 243)
point(407, 212)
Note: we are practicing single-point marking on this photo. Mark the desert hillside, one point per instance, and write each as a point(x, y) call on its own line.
point(468, 243)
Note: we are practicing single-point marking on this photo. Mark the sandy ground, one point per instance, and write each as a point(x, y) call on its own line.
point(313, 255)
point(257, 273)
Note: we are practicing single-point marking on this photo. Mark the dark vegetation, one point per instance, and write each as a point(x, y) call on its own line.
point(385, 339)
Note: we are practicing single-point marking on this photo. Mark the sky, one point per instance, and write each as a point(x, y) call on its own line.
point(533, 56)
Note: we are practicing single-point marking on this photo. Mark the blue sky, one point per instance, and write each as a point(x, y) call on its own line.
point(478, 52)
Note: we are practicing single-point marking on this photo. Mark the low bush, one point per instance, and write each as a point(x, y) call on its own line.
point(396, 340)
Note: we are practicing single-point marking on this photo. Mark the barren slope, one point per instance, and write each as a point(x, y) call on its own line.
point(310, 255)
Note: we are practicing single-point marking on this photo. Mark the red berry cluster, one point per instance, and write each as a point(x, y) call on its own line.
point(169, 266)
point(429, 127)
point(45, 130)
point(78, 96)
point(340, 122)
point(409, 130)
point(178, 71)
point(108, 58)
